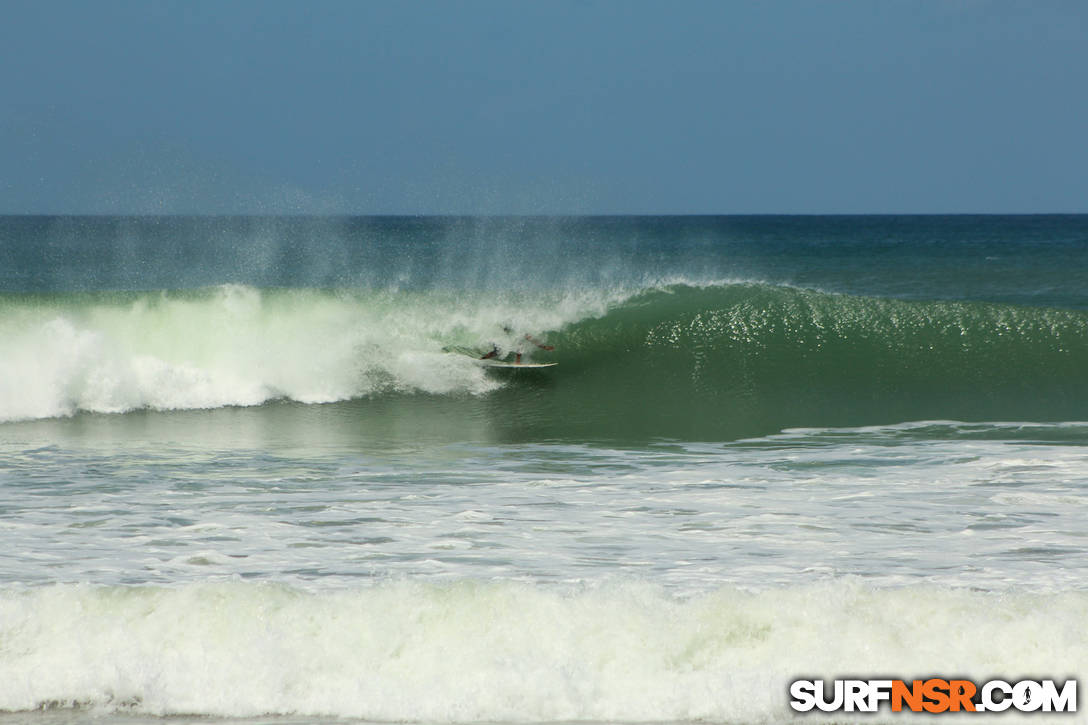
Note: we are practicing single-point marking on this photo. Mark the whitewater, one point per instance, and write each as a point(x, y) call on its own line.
point(242, 478)
point(237, 345)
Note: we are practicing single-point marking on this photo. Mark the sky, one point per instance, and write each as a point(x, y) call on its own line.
point(558, 107)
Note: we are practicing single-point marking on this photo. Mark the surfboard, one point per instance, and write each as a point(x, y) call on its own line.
point(505, 364)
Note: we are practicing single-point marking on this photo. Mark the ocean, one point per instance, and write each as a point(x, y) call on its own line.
point(246, 476)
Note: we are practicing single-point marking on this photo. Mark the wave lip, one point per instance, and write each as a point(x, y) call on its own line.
point(503, 651)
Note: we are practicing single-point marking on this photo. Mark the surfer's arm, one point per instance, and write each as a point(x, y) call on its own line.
point(538, 343)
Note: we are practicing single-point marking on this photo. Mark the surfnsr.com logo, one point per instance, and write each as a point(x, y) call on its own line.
point(933, 695)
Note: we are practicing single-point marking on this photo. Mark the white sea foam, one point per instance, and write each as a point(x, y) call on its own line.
point(507, 651)
point(237, 345)
point(315, 503)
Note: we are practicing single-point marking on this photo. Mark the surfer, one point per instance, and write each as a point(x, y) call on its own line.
point(517, 353)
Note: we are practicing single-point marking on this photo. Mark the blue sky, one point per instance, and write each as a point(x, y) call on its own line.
point(552, 107)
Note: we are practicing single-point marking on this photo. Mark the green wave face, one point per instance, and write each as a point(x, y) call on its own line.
point(732, 361)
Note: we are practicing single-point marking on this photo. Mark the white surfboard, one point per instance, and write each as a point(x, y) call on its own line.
point(506, 364)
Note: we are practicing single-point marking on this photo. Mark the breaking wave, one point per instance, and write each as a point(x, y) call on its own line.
point(680, 360)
